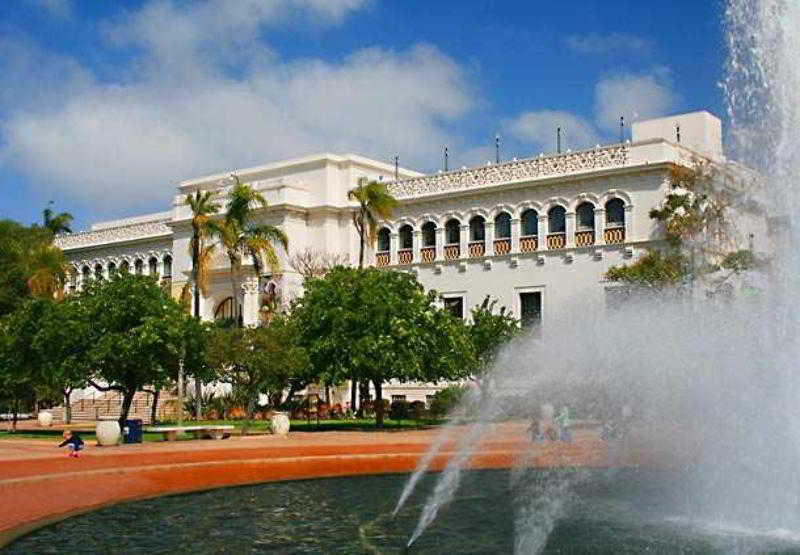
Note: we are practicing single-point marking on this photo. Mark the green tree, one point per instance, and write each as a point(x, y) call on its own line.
point(373, 325)
point(264, 360)
point(489, 332)
point(138, 335)
point(56, 223)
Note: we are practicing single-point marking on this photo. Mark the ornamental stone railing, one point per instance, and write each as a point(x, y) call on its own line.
point(113, 235)
point(613, 156)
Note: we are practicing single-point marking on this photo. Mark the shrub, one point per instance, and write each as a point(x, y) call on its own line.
point(417, 409)
point(447, 399)
point(399, 410)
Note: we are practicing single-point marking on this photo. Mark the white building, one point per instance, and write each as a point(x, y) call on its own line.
point(535, 233)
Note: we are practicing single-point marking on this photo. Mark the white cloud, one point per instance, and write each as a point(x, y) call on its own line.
point(134, 138)
point(609, 44)
point(634, 96)
point(59, 9)
point(539, 130)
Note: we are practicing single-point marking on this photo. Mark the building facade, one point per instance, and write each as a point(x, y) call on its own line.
point(537, 234)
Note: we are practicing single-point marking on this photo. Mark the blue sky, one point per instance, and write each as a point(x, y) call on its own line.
point(106, 105)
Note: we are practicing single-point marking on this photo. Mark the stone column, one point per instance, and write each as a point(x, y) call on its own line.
point(416, 241)
point(570, 229)
point(628, 223)
point(393, 249)
point(439, 243)
point(464, 242)
point(542, 238)
point(250, 301)
point(489, 238)
point(515, 233)
point(160, 268)
point(599, 226)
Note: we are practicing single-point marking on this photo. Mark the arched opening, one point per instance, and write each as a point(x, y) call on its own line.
point(73, 279)
point(86, 275)
point(384, 242)
point(405, 253)
point(502, 233)
point(615, 222)
point(584, 224)
point(477, 236)
point(98, 271)
point(153, 265)
point(428, 249)
point(138, 266)
point(167, 266)
point(528, 241)
point(125, 267)
point(556, 227)
point(452, 232)
point(112, 269)
point(226, 311)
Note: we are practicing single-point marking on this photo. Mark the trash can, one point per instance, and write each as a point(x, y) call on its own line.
point(132, 431)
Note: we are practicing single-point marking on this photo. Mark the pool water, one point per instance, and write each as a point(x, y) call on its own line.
point(591, 511)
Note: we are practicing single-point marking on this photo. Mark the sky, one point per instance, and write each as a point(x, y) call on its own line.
point(106, 106)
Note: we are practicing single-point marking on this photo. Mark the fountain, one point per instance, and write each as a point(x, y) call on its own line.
point(707, 389)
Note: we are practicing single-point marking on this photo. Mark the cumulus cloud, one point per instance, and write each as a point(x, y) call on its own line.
point(539, 130)
point(634, 96)
point(134, 137)
point(609, 44)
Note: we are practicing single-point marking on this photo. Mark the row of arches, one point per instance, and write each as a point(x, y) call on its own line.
point(529, 230)
point(139, 266)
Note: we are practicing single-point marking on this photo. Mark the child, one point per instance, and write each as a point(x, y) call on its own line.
point(73, 441)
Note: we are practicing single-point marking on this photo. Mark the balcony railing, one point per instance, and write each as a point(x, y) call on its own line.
point(556, 241)
point(614, 235)
point(528, 244)
point(502, 246)
point(452, 252)
point(382, 259)
point(584, 238)
point(405, 256)
point(476, 249)
point(427, 254)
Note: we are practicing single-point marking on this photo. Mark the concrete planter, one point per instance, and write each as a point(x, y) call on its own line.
point(45, 418)
point(108, 432)
point(280, 423)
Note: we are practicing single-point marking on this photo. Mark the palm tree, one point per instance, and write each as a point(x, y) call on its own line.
point(46, 268)
point(203, 226)
point(57, 223)
point(375, 203)
point(241, 237)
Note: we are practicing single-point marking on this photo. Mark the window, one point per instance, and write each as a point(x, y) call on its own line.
point(615, 213)
point(406, 237)
point(225, 310)
point(530, 308)
point(125, 266)
point(398, 398)
point(168, 266)
point(73, 279)
point(153, 266)
point(585, 216)
point(429, 234)
point(86, 274)
point(556, 220)
point(138, 267)
point(429, 399)
point(455, 305)
point(477, 229)
point(98, 271)
point(502, 226)
point(530, 223)
point(383, 240)
point(112, 269)
point(452, 230)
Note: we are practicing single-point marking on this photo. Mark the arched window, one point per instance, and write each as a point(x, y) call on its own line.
point(477, 229)
point(138, 267)
point(530, 223)
point(452, 231)
point(168, 266)
point(383, 240)
point(73, 279)
point(225, 310)
point(86, 274)
point(502, 226)
point(125, 267)
point(615, 213)
point(584, 215)
point(98, 271)
point(429, 234)
point(556, 220)
point(112, 269)
point(406, 237)
point(153, 265)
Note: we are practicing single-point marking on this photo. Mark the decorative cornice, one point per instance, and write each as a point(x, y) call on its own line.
point(613, 156)
point(148, 230)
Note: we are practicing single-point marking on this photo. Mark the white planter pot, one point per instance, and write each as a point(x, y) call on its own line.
point(45, 418)
point(280, 423)
point(108, 432)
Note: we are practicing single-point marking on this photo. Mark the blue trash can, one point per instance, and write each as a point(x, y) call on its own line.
point(132, 432)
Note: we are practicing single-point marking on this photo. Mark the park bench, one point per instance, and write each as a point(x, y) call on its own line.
point(170, 433)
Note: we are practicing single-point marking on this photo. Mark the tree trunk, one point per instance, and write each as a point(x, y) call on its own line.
point(198, 399)
point(378, 403)
point(195, 260)
point(67, 407)
point(127, 399)
point(154, 408)
point(353, 395)
point(363, 397)
point(361, 249)
point(249, 413)
point(14, 418)
point(180, 392)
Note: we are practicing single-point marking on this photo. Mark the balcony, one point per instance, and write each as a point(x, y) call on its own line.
point(427, 254)
point(502, 246)
point(556, 241)
point(614, 235)
point(452, 252)
point(476, 249)
point(528, 244)
point(382, 259)
point(405, 256)
point(584, 238)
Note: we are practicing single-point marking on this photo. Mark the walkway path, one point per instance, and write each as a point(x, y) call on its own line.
point(39, 484)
